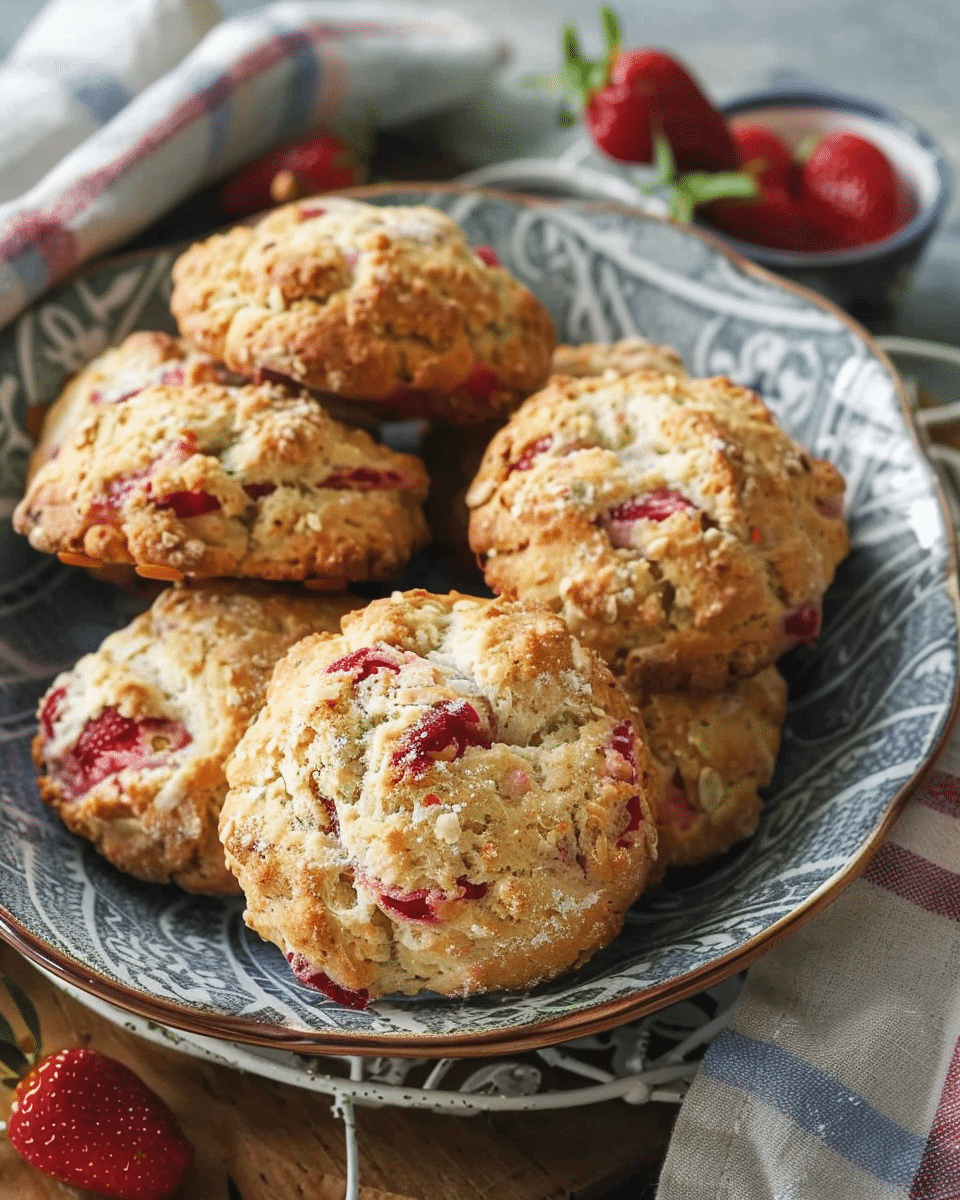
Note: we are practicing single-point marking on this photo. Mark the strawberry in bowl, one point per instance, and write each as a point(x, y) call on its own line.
point(850, 193)
point(838, 193)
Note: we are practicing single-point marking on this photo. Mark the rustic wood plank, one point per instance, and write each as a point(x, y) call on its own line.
point(279, 1142)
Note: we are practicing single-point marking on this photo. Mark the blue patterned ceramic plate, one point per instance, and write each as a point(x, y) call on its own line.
point(869, 706)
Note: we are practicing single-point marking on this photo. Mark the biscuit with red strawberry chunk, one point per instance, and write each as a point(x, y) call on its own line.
point(675, 527)
point(226, 481)
point(715, 751)
point(133, 739)
point(452, 795)
point(142, 360)
point(622, 357)
point(389, 308)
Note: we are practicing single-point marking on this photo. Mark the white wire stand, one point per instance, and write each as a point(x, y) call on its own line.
point(651, 1059)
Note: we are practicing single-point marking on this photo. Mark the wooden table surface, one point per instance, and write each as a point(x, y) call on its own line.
point(259, 1140)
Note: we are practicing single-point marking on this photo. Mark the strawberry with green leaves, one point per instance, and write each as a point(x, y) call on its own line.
point(844, 195)
point(629, 95)
point(778, 216)
point(88, 1120)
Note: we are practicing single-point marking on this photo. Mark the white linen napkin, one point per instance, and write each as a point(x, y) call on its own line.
point(76, 65)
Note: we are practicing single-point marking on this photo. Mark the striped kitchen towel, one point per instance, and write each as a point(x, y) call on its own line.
point(838, 1076)
point(116, 131)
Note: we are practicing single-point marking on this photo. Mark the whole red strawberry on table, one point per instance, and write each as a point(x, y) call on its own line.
point(839, 193)
point(88, 1120)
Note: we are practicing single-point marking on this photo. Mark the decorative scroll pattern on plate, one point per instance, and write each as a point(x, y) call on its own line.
point(868, 706)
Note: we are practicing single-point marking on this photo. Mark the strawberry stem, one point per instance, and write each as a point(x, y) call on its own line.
point(14, 1058)
point(612, 35)
point(807, 147)
point(570, 44)
point(549, 82)
point(11, 1055)
point(663, 161)
point(566, 117)
point(579, 77)
point(697, 187)
point(28, 1014)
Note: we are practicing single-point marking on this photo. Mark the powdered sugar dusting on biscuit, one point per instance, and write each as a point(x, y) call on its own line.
point(476, 811)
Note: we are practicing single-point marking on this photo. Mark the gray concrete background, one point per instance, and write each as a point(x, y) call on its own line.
point(904, 55)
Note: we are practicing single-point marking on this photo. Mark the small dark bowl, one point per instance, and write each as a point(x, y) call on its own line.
point(870, 277)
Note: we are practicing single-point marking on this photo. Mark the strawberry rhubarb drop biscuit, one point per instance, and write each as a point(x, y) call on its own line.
point(715, 751)
point(670, 521)
point(238, 481)
point(622, 358)
point(143, 359)
point(390, 308)
point(133, 739)
point(452, 795)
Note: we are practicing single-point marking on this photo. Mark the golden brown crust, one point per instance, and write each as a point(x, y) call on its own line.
point(716, 750)
point(623, 357)
point(283, 491)
point(387, 854)
point(388, 307)
point(141, 360)
point(675, 527)
point(453, 459)
point(196, 665)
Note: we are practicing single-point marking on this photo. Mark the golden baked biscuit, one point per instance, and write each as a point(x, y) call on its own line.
point(676, 528)
point(133, 739)
point(389, 307)
point(451, 795)
point(237, 481)
point(452, 459)
point(141, 360)
point(716, 750)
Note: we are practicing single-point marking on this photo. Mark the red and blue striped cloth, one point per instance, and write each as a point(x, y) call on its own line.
point(838, 1076)
point(250, 83)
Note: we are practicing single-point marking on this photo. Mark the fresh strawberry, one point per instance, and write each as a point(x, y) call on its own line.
point(697, 132)
point(778, 219)
point(763, 155)
point(88, 1121)
point(620, 121)
point(846, 195)
point(630, 96)
point(856, 188)
point(318, 163)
